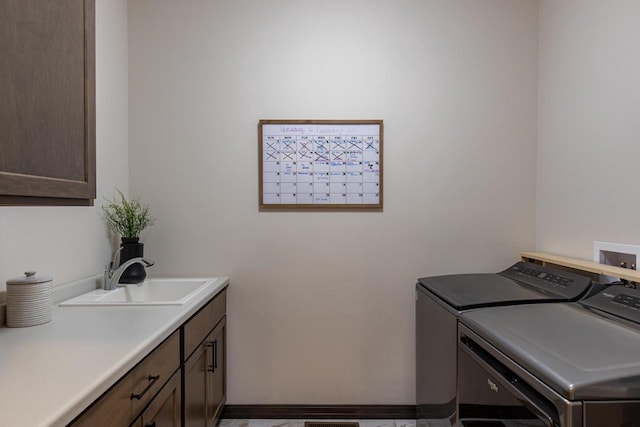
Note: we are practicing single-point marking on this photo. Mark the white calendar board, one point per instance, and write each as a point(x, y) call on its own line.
point(320, 164)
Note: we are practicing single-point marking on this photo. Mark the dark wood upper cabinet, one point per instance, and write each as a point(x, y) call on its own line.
point(47, 112)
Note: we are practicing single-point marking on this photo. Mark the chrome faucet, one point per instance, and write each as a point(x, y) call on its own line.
point(112, 274)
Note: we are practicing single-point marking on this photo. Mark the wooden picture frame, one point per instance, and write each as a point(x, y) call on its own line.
point(320, 164)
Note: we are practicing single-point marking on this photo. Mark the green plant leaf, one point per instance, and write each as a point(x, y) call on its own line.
point(127, 217)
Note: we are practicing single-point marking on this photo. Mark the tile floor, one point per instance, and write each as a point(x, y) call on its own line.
point(300, 423)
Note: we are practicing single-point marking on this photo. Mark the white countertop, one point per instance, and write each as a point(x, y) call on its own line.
point(50, 373)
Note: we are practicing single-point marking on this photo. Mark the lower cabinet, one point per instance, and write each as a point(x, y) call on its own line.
point(204, 367)
point(165, 390)
point(205, 380)
point(216, 379)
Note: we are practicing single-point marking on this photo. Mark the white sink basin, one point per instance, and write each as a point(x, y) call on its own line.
point(149, 292)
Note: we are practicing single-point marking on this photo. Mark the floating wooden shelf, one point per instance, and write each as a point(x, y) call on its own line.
point(578, 264)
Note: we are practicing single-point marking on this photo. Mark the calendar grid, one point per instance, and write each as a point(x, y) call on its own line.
point(320, 164)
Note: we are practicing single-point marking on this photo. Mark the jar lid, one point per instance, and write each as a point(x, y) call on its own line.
point(29, 278)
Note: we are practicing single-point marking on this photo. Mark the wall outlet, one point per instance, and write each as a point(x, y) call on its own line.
point(615, 254)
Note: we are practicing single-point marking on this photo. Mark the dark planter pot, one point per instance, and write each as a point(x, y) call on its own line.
point(131, 248)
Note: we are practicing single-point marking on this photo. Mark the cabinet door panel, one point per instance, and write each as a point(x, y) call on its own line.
point(47, 84)
point(204, 370)
point(217, 387)
point(195, 388)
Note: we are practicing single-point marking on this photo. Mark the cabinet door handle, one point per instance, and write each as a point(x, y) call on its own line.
point(214, 355)
point(152, 380)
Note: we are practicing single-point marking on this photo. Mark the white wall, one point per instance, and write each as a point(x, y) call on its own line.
point(71, 243)
point(321, 305)
point(589, 123)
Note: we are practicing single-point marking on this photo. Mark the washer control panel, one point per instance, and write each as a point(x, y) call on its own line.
point(547, 279)
point(542, 275)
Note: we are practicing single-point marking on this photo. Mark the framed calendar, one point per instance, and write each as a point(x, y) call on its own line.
point(320, 164)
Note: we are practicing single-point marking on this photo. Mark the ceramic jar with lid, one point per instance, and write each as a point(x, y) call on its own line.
point(29, 300)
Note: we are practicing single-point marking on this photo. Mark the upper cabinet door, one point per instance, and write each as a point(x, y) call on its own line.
point(47, 113)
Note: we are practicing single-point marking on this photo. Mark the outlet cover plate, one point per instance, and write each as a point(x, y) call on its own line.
point(610, 253)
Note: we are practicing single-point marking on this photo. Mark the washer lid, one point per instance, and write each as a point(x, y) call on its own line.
point(522, 283)
point(579, 352)
point(467, 291)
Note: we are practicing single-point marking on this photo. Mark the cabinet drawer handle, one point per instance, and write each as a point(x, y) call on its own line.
point(152, 380)
point(153, 424)
point(214, 355)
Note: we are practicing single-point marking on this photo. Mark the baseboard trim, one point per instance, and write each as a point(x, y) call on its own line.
point(320, 412)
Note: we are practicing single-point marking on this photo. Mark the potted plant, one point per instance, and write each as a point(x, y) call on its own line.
point(128, 218)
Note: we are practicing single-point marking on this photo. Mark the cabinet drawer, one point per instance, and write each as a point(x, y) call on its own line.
point(199, 326)
point(164, 409)
point(125, 400)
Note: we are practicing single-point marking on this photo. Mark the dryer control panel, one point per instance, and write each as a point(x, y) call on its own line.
point(617, 300)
